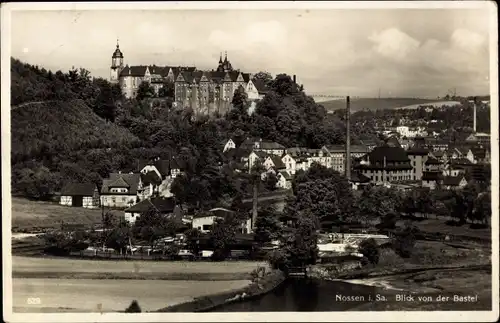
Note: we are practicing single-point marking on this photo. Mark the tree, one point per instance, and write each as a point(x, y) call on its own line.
point(119, 238)
point(133, 308)
point(167, 90)
point(151, 225)
point(263, 76)
point(223, 235)
point(369, 249)
point(144, 91)
point(192, 236)
point(267, 226)
point(270, 181)
point(405, 240)
point(482, 208)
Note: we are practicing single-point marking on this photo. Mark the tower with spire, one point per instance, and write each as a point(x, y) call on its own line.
point(224, 66)
point(116, 64)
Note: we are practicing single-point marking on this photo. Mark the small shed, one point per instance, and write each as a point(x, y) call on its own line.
point(80, 195)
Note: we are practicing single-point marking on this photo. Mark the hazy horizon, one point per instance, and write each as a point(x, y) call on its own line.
point(362, 53)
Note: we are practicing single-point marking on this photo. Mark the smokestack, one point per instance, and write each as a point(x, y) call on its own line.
point(348, 140)
point(475, 114)
point(294, 78)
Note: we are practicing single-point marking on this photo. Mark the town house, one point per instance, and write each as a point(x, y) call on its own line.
point(204, 221)
point(164, 206)
point(121, 190)
point(385, 164)
point(336, 155)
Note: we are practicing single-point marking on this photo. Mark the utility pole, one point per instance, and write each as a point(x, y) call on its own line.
point(348, 140)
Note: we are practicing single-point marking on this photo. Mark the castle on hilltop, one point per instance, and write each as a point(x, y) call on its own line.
point(205, 92)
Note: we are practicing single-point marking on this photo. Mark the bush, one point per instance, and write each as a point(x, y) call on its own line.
point(405, 240)
point(389, 258)
point(369, 249)
point(133, 308)
point(278, 260)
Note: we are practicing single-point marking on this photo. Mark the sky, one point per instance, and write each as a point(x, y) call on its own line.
point(394, 52)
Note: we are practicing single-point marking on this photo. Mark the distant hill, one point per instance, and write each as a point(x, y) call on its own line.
point(43, 128)
point(372, 104)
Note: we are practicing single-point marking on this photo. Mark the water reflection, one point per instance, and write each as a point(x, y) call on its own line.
point(301, 295)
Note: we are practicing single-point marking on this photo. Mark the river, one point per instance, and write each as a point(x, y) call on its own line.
point(298, 295)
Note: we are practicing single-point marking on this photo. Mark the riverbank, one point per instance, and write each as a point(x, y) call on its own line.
point(266, 283)
point(68, 285)
point(434, 269)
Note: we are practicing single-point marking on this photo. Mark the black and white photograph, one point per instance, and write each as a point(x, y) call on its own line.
point(250, 161)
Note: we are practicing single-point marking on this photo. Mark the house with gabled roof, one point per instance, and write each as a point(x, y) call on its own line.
point(358, 180)
point(454, 182)
point(164, 206)
point(80, 195)
point(431, 179)
point(256, 89)
point(275, 163)
point(284, 179)
point(228, 144)
point(478, 155)
point(255, 157)
point(121, 190)
point(151, 182)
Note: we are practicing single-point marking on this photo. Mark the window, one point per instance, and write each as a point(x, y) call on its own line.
point(206, 227)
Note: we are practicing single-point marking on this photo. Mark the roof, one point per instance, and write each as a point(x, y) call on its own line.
point(261, 86)
point(118, 53)
point(261, 154)
point(438, 154)
point(417, 151)
point(131, 180)
point(119, 182)
point(217, 212)
point(140, 70)
point(431, 176)
point(278, 163)
point(461, 161)
point(78, 189)
point(478, 152)
point(363, 149)
point(150, 177)
point(357, 177)
point(249, 142)
point(432, 161)
point(163, 166)
point(268, 145)
point(285, 174)
point(237, 153)
point(452, 180)
point(393, 142)
point(391, 154)
point(162, 205)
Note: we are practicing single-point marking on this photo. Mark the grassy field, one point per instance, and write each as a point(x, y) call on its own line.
point(434, 225)
point(88, 295)
point(27, 214)
point(375, 103)
point(30, 267)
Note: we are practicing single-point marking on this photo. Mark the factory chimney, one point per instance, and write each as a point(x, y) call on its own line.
point(348, 140)
point(475, 114)
point(294, 78)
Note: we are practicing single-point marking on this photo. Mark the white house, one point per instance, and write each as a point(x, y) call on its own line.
point(205, 222)
point(284, 180)
point(229, 145)
point(121, 190)
point(274, 162)
point(454, 182)
point(80, 195)
point(256, 156)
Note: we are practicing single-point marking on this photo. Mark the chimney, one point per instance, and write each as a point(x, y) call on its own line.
point(348, 140)
point(294, 79)
point(475, 107)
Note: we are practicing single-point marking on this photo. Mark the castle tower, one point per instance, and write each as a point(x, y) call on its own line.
point(116, 64)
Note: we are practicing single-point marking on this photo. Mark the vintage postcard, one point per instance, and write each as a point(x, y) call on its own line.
point(250, 161)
